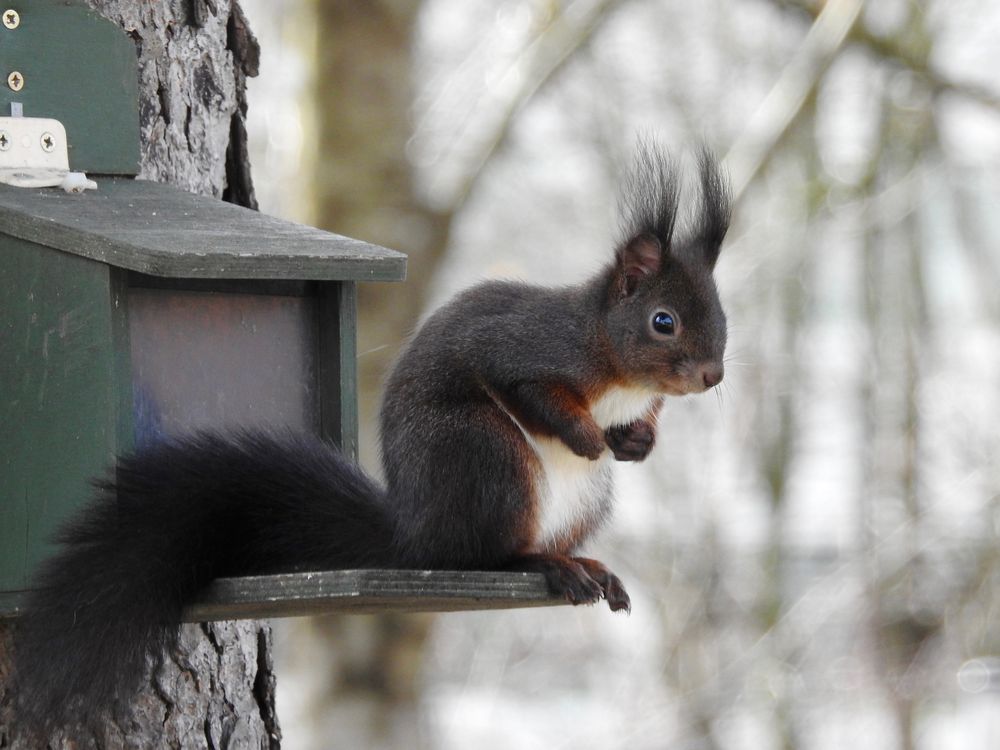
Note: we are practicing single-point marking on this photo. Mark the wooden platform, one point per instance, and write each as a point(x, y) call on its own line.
point(361, 591)
point(358, 592)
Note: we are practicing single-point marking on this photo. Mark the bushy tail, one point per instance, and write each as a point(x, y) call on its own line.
point(175, 516)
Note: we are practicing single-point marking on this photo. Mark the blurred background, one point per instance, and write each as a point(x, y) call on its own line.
point(812, 553)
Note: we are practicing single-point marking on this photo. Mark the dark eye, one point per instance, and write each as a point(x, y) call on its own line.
point(663, 322)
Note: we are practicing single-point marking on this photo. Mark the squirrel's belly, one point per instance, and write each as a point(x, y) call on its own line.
point(574, 495)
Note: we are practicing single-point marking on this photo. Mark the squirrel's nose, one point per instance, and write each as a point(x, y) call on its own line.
point(711, 374)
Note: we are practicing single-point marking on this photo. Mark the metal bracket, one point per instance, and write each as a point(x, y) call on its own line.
point(34, 153)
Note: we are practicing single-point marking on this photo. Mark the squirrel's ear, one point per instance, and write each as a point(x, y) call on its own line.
point(715, 210)
point(641, 257)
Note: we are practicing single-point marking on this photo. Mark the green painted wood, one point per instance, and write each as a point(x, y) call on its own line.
point(367, 591)
point(347, 329)
point(61, 398)
point(80, 69)
point(122, 398)
point(160, 230)
point(338, 365)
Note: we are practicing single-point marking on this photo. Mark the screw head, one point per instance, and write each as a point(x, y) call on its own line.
point(48, 142)
point(16, 81)
point(4, 140)
point(11, 19)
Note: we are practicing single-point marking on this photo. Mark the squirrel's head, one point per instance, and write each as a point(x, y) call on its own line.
point(664, 317)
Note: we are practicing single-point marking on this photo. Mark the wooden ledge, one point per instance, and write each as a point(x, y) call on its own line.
point(367, 591)
point(355, 592)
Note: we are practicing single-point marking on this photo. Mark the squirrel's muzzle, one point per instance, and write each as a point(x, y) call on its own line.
point(711, 374)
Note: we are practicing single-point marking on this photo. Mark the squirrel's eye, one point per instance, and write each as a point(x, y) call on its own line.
point(663, 322)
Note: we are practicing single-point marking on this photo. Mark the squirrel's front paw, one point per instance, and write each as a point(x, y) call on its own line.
point(631, 442)
point(587, 440)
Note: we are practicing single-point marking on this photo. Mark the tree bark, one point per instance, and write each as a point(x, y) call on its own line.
point(216, 689)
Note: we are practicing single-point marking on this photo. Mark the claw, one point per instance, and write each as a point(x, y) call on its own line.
point(612, 588)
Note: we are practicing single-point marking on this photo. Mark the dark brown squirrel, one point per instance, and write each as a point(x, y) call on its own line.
point(499, 427)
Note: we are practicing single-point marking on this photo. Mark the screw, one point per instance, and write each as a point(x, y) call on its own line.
point(11, 19)
point(48, 142)
point(16, 81)
point(4, 140)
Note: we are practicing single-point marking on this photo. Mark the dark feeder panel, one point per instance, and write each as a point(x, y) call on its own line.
point(204, 359)
point(139, 310)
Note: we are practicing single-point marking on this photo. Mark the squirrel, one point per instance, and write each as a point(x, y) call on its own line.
point(499, 426)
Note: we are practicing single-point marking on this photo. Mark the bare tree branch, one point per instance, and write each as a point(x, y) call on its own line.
point(784, 103)
point(893, 48)
point(537, 64)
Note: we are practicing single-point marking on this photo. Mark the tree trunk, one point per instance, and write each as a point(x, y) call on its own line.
point(364, 188)
point(363, 180)
point(216, 689)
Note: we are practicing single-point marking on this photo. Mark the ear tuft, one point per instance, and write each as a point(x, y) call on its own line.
point(715, 210)
point(648, 204)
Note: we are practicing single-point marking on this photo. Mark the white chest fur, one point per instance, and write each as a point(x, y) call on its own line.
point(622, 405)
point(573, 490)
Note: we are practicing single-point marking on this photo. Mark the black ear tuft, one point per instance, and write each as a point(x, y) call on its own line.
point(715, 210)
point(648, 206)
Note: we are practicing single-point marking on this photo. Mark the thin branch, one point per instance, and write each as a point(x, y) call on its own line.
point(893, 49)
point(537, 64)
point(784, 103)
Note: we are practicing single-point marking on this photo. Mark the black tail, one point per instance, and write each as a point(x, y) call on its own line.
point(175, 516)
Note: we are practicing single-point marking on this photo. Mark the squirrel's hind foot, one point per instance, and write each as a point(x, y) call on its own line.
point(580, 580)
point(611, 585)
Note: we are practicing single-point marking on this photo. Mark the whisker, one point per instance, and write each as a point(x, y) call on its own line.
point(373, 350)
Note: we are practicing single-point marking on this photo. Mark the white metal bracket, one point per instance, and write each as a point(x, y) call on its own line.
point(34, 153)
